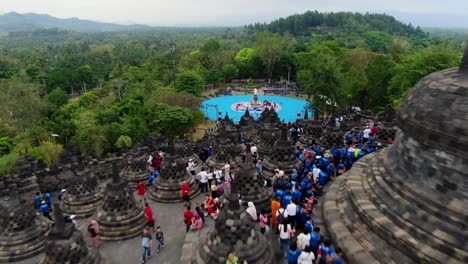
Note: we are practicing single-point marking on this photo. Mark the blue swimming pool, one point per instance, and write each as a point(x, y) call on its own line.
point(235, 105)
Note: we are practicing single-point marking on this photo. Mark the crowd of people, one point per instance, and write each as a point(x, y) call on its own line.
point(292, 209)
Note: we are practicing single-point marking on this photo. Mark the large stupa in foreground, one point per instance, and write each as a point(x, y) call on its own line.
point(408, 203)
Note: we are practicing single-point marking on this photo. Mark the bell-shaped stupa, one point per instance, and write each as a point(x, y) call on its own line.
point(119, 217)
point(234, 231)
point(408, 203)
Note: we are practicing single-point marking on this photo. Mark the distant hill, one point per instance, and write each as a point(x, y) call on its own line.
point(25, 22)
point(376, 31)
point(303, 24)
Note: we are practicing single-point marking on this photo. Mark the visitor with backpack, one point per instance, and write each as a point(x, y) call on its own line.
point(44, 208)
point(281, 215)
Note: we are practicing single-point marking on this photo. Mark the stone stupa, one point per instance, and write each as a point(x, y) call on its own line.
point(282, 156)
point(66, 244)
point(166, 187)
point(313, 131)
point(252, 187)
point(234, 231)
point(136, 166)
point(267, 136)
point(408, 203)
point(22, 233)
point(83, 195)
point(224, 151)
point(119, 217)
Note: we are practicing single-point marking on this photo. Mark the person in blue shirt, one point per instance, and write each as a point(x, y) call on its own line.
point(280, 194)
point(338, 256)
point(316, 148)
point(305, 184)
point(153, 177)
point(286, 199)
point(297, 193)
point(294, 176)
point(48, 199)
point(325, 249)
point(334, 152)
point(315, 240)
point(298, 152)
point(331, 170)
point(37, 200)
point(323, 178)
point(293, 252)
point(324, 161)
point(340, 167)
point(45, 210)
point(309, 225)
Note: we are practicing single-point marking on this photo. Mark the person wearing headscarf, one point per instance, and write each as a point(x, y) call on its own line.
point(251, 210)
point(93, 232)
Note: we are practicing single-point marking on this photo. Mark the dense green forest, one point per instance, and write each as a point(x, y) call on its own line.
point(127, 90)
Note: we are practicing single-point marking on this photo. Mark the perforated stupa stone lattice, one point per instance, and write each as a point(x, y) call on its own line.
point(66, 244)
point(234, 230)
point(166, 187)
point(22, 233)
point(83, 195)
point(120, 216)
point(282, 156)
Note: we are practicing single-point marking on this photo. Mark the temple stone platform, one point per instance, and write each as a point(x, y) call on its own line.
point(66, 244)
point(22, 233)
point(166, 187)
point(83, 195)
point(119, 217)
point(408, 203)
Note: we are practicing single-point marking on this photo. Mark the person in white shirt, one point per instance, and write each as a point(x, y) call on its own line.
point(218, 174)
point(253, 149)
point(191, 170)
point(203, 180)
point(366, 133)
point(306, 256)
point(303, 239)
point(291, 209)
point(316, 173)
point(252, 211)
point(285, 231)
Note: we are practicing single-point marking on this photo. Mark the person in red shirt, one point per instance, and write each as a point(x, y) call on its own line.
point(185, 191)
point(188, 214)
point(140, 188)
point(149, 216)
point(374, 130)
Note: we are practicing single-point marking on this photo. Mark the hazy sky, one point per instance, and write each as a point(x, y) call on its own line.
point(237, 12)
